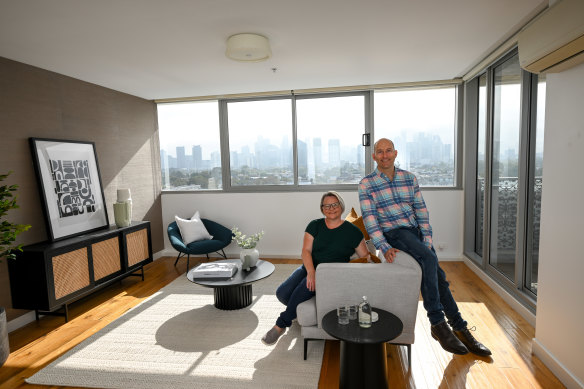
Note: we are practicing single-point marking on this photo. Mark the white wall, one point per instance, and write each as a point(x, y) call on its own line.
point(284, 216)
point(559, 339)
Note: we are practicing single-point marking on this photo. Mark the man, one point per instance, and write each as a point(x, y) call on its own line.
point(396, 218)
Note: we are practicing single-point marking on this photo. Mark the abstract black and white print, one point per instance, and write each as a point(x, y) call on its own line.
point(73, 187)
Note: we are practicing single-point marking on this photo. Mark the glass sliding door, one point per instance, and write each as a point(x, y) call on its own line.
point(505, 166)
point(481, 166)
point(536, 185)
point(505, 108)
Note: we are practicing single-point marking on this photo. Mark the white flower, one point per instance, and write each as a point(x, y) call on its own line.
point(246, 242)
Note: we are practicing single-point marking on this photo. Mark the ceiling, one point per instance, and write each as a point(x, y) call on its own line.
point(176, 48)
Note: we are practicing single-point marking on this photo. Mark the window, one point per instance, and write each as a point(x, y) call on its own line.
point(329, 140)
point(190, 157)
point(287, 142)
point(260, 142)
point(422, 124)
point(504, 109)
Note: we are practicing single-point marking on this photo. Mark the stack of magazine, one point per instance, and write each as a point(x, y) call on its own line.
point(214, 271)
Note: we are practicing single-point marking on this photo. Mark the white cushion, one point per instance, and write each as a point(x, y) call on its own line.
point(192, 230)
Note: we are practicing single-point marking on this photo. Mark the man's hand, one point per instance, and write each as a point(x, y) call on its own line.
point(390, 255)
point(311, 281)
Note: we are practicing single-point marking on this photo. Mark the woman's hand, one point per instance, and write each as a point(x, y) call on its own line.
point(307, 261)
point(311, 281)
point(361, 250)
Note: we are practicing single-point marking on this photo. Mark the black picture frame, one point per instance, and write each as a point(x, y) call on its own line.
point(69, 184)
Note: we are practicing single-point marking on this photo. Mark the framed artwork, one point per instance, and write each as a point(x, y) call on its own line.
point(70, 186)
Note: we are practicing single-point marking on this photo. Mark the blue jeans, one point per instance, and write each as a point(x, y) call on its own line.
point(438, 300)
point(292, 292)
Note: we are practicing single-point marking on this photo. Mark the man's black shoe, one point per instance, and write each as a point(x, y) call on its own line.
point(473, 345)
point(442, 333)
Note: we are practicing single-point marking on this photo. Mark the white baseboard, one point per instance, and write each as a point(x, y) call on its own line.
point(552, 363)
point(174, 253)
point(20, 321)
point(449, 259)
point(162, 253)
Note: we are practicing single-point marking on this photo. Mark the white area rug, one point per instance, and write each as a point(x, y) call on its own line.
point(178, 339)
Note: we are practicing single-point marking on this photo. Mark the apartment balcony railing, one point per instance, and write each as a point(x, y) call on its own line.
point(505, 211)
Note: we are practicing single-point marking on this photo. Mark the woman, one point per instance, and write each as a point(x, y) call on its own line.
point(330, 239)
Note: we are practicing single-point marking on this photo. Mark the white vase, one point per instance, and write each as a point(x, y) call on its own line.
point(123, 208)
point(123, 213)
point(249, 258)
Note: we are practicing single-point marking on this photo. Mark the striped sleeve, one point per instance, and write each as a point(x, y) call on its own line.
point(369, 212)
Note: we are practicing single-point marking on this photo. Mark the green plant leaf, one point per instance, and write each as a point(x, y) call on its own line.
point(8, 230)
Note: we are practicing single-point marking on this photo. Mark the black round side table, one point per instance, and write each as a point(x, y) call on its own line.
point(363, 356)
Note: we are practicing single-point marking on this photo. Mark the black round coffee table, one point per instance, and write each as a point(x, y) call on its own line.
point(363, 356)
point(235, 292)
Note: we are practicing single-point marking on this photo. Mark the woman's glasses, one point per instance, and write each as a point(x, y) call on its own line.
point(330, 206)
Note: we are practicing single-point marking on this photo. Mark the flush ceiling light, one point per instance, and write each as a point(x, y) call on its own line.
point(248, 48)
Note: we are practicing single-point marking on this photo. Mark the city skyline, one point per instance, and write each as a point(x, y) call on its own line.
point(320, 161)
point(423, 149)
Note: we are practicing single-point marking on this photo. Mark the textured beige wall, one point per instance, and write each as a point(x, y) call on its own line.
point(39, 103)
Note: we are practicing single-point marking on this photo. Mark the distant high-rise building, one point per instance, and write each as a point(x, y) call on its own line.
point(197, 158)
point(334, 160)
point(165, 169)
point(261, 148)
point(163, 160)
point(285, 153)
point(215, 159)
point(317, 152)
point(181, 158)
point(172, 162)
point(302, 160)
point(234, 160)
point(360, 156)
point(448, 157)
point(334, 152)
point(246, 158)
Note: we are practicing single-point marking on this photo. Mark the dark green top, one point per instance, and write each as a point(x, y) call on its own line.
point(333, 245)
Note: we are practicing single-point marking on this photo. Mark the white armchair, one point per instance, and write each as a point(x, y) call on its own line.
point(394, 287)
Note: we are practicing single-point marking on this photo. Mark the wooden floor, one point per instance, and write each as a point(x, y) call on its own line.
point(505, 332)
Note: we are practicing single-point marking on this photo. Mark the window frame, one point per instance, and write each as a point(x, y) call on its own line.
point(226, 150)
point(368, 95)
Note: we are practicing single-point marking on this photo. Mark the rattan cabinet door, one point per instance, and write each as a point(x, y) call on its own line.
point(137, 246)
point(106, 258)
point(70, 272)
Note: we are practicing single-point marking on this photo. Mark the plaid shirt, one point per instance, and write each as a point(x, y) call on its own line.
point(387, 205)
